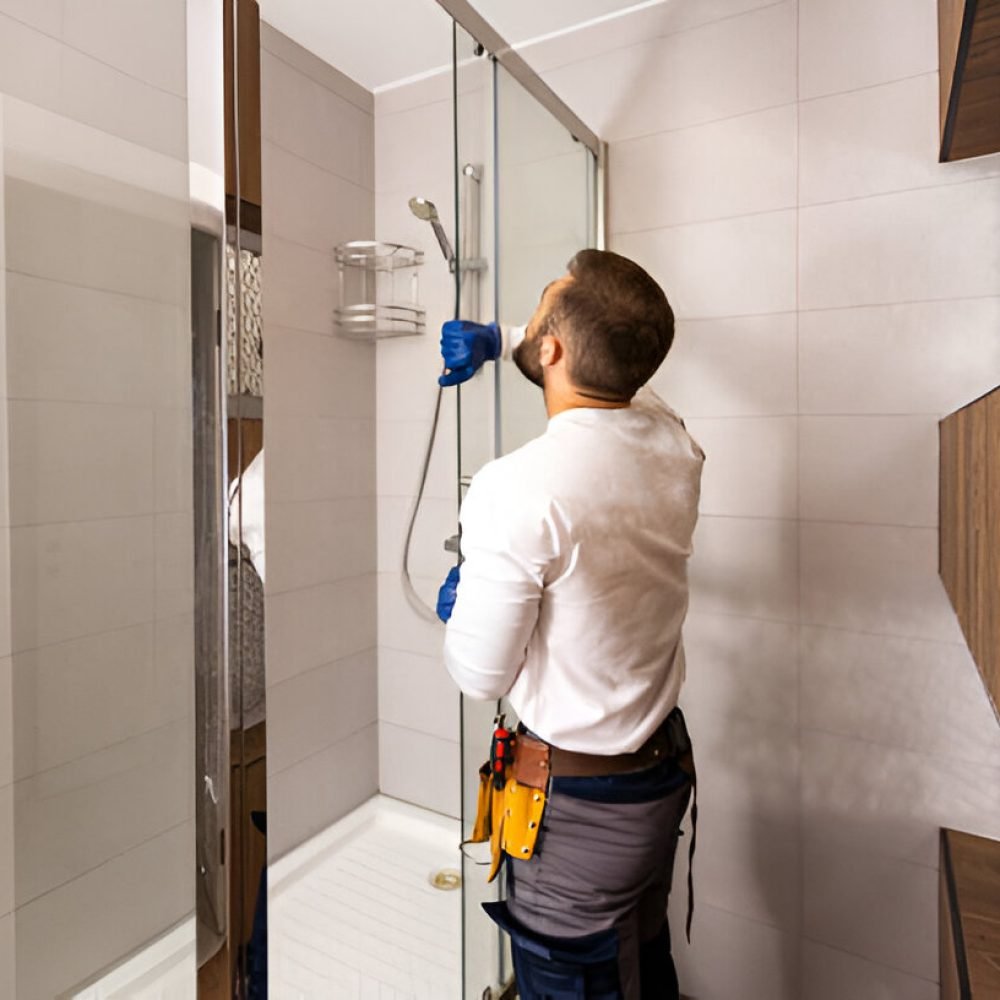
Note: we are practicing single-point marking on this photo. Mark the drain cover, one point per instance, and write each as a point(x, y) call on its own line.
point(446, 879)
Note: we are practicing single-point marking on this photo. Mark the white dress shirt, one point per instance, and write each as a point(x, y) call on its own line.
point(574, 585)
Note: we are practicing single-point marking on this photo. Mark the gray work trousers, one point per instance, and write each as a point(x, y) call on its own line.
point(600, 865)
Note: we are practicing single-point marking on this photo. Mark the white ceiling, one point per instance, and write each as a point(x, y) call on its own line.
point(380, 42)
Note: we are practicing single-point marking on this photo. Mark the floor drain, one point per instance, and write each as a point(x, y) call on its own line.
point(446, 879)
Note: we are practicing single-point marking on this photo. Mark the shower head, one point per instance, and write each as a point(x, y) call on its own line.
point(427, 211)
point(424, 209)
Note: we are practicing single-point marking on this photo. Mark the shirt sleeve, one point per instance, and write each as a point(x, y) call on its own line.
point(508, 550)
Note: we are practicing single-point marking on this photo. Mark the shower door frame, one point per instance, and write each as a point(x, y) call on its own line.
point(496, 981)
point(468, 18)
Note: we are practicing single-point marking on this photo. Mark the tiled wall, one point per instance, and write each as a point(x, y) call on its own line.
point(774, 165)
point(319, 435)
point(418, 703)
point(96, 793)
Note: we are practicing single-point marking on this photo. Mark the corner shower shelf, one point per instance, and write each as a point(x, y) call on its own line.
point(378, 290)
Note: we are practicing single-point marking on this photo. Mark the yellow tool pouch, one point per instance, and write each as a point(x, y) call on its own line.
point(509, 818)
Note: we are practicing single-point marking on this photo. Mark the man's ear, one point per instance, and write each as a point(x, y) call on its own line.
point(550, 351)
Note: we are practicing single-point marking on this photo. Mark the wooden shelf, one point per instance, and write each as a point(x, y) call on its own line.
point(969, 923)
point(969, 58)
point(970, 529)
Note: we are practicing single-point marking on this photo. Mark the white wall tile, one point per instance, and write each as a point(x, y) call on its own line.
point(47, 18)
point(174, 564)
point(312, 458)
point(741, 666)
point(936, 243)
point(79, 344)
point(873, 907)
point(314, 374)
point(892, 801)
point(739, 166)
point(731, 367)
point(847, 44)
point(746, 866)
point(875, 579)
point(6, 722)
point(173, 460)
point(751, 468)
point(73, 818)
point(140, 249)
point(77, 462)
point(746, 767)
point(399, 626)
point(8, 983)
point(312, 206)
point(906, 693)
point(737, 267)
point(141, 893)
point(82, 696)
point(301, 290)
point(870, 470)
point(661, 84)
point(92, 92)
point(832, 974)
point(314, 710)
point(416, 692)
point(309, 796)
point(436, 521)
point(29, 60)
point(308, 119)
point(745, 567)
point(314, 542)
point(928, 357)
point(6, 848)
point(149, 40)
point(419, 768)
point(303, 61)
point(313, 626)
point(80, 579)
point(877, 140)
point(731, 956)
point(402, 445)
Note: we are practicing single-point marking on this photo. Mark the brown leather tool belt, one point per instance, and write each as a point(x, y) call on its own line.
point(536, 761)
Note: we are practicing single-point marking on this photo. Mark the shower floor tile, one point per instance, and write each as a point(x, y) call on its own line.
point(353, 916)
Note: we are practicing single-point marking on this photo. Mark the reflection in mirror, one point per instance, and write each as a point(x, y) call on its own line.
point(97, 833)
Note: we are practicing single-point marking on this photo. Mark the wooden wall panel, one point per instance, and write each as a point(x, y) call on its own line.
point(969, 553)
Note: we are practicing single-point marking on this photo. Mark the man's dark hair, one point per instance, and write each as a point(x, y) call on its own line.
point(617, 323)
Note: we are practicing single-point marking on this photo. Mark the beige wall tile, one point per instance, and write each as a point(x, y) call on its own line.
point(80, 578)
point(309, 796)
point(880, 579)
point(870, 470)
point(848, 44)
point(313, 711)
point(732, 367)
point(142, 892)
point(737, 267)
point(937, 243)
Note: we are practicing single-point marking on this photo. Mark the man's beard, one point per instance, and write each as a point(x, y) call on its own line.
point(528, 358)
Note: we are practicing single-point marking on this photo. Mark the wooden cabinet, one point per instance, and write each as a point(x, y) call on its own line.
point(969, 59)
point(970, 529)
point(969, 925)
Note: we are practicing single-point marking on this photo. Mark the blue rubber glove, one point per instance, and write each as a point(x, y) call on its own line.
point(465, 347)
point(448, 593)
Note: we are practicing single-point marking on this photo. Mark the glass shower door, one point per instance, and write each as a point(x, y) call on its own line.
point(539, 208)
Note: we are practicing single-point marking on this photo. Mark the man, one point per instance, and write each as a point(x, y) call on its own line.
point(570, 602)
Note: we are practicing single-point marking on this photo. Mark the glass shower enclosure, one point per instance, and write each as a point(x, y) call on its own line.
point(542, 201)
